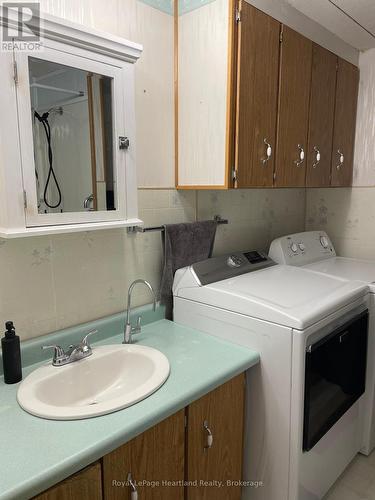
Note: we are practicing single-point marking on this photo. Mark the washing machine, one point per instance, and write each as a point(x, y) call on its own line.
point(303, 413)
point(314, 250)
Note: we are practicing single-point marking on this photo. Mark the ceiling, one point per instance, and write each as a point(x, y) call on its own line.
point(351, 20)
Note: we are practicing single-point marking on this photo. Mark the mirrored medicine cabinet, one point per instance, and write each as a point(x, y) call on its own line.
point(68, 124)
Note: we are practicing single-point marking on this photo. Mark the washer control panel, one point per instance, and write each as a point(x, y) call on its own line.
point(228, 266)
point(302, 248)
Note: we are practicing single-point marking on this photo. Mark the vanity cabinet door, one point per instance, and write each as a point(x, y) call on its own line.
point(152, 459)
point(258, 73)
point(322, 110)
point(294, 95)
point(344, 125)
point(215, 442)
point(85, 485)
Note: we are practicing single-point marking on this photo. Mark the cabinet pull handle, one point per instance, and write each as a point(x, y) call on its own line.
point(341, 159)
point(133, 492)
point(301, 156)
point(268, 152)
point(209, 438)
point(317, 157)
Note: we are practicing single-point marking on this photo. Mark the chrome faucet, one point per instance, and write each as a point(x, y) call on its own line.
point(74, 352)
point(130, 330)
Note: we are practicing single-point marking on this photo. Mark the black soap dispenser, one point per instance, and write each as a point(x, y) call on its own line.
point(10, 346)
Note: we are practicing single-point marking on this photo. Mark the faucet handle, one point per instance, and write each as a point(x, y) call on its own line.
point(84, 342)
point(58, 351)
point(137, 328)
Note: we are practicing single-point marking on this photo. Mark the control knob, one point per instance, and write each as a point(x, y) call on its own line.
point(234, 261)
point(324, 241)
point(294, 247)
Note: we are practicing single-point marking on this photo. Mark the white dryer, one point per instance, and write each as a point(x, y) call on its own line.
point(302, 428)
point(314, 250)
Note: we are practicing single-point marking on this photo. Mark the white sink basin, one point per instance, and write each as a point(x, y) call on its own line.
point(112, 378)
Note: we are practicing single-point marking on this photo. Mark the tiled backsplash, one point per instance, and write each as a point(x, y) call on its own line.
point(52, 282)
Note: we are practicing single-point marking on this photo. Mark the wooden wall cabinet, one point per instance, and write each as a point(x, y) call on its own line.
point(321, 117)
point(282, 113)
point(257, 88)
point(293, 110)
point(157, 464)
point(344, 124)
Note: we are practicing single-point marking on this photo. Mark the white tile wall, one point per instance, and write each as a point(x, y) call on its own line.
point(57, 281)
point(347, 215)
point(256, 216)
point(364, 157)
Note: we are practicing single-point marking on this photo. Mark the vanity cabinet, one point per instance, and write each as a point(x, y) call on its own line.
point(344, 124)
point(293, 109)
point(257, 103)
point(218, 416)
point(155, 456)
point(181, 458)
point(85, 485)
point(321, 117)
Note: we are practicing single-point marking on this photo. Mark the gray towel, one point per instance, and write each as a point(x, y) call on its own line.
point(184, 244)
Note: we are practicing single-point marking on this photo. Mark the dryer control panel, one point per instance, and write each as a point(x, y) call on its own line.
point(302, 248)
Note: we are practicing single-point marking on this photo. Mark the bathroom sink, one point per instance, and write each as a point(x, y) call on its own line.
point(112, 378)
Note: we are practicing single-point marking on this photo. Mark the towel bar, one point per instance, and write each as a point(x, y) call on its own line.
point(141, 229)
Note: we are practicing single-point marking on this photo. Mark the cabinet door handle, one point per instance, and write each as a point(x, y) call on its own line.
point(301, 156)
point(133, 489)
point(341, 159)
point(209, 437)
point(268, 152)
point(317, 157)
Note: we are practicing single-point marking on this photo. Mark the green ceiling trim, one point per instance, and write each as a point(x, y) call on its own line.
point(163, 5)
point(185, 6)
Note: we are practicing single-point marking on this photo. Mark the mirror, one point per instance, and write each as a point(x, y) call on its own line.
point(73, 138)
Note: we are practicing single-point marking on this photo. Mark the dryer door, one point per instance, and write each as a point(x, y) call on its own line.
point(334, 378)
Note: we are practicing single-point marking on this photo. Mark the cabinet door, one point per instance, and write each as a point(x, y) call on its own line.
point(294, 94)
point(257, 86)
point(85, 485)
point(344, 124)
point(152, 459)
point(221, 413)
point(322, 110)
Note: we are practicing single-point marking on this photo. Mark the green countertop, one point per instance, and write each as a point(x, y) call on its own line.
point(36, 453)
